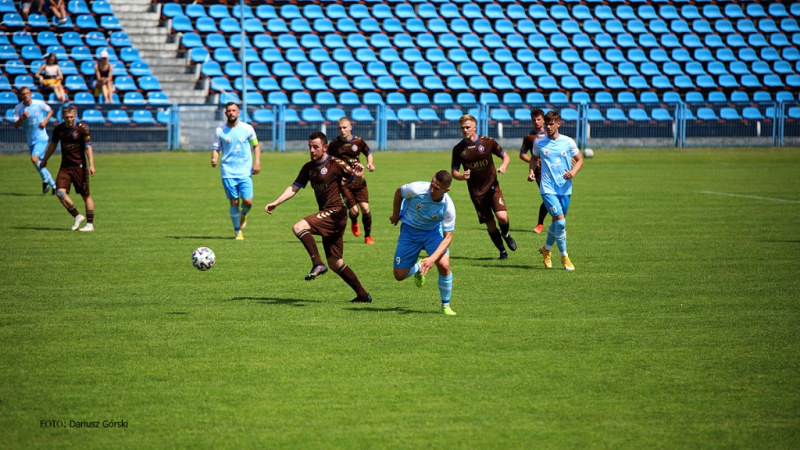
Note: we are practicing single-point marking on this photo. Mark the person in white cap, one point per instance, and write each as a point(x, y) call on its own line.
point(104, 78)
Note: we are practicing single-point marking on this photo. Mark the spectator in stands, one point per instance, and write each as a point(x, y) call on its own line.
point(104, 78)
point(27, 7)
point(59, 10)
point(51, 79)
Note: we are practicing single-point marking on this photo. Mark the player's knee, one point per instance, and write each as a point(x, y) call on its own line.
point(400, 274)
point(335, 263)
point(443, 267)
point(248, 202)
point(61, 194)
point(561, 225)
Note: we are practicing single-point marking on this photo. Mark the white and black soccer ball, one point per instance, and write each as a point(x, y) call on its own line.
point(203, 258)
point(588, 153)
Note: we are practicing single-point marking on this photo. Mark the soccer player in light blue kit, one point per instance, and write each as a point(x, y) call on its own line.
point(241, 158)
point(556, 153)
point(33, 115)
point(429, 218)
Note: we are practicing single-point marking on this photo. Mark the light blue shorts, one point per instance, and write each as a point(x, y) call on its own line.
point(556, 204)
point(238, 187)
point(38, 149)
point(411, 241)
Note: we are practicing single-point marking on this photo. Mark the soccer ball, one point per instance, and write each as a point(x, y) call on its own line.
point(203, 258)
point(588, 153)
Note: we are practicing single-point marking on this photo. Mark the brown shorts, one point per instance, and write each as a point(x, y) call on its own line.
point(355, 193)
point(76, 176)
point(491, 201)
point(329, 224)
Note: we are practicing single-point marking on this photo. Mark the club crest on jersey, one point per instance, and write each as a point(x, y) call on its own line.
point(355, 148)
point(323, 171)
point(241, 139)
point(419, 207)
point(563, 153)
point(435, 217)
point(227, 141)
point(481, 149)
point(547, 152)
point(74, 135)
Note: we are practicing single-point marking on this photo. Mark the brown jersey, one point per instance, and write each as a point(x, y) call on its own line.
point(527, 141)
point(73, 144)
point(325, 178)
point(477, 158)
point(349, 151)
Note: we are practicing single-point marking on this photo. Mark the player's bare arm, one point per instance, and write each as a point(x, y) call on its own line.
point(504, 165)
point(427, 263)
point(257, 159)
point(51, 147)
point(21, 120)
point(398, 201)
point(460, 176)
point(288, 193)
point(214, 157)
point(43, 123)
point(524, 156)
point(90, 159)
point(370, 165)
point(532, 164)
point(569, 174)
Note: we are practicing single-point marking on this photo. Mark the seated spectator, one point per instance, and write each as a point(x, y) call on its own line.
point(51, 79)
point(104, 78)
point(59, 10)
point(27, 7)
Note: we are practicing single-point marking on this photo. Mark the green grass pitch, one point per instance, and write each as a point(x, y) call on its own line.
point(679, 328)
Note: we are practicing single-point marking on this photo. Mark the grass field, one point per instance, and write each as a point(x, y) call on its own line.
point(679, 328)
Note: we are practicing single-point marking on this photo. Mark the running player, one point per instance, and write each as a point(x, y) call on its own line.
point(429, 218)
point(560, 161)
point(77, 164)
point(537, 119)
point(474, 153)
point(241, 159)
point(325, 173)
point(33, 115)
point(348, 148)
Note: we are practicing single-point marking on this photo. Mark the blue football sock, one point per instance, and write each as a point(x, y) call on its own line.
point(235, 218)
point(414, 269)
point(445, 288)
point(551, 237)
point(561, 235)
point(246, 209)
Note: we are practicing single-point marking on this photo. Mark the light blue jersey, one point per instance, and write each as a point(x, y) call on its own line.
point(37, 111)
point(556, 157)
point(421, 212)
point(236, 146)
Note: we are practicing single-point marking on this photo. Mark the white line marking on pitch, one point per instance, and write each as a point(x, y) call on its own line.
point(750, 196)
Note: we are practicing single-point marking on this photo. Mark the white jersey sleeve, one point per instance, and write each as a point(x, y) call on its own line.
point(449, 222)
point(573, 147)
point(414, 189)
point(216, 145)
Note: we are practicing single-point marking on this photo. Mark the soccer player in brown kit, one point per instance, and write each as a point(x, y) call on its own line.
point(537, 119)
point(348, 147)
point(325, 173)
point(77, 163)
point(474, 153)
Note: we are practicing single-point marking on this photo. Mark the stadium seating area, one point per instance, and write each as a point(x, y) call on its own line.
point(90, 29)
point(447, 53)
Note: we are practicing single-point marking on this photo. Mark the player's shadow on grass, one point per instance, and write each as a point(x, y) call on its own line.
point(512, 266)
point(40, 228)
point(200, 237)
point(276, 301)
point(396, 309)
point(19, 194)
point(466, 258)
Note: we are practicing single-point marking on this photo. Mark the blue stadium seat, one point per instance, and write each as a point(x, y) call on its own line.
point(263, 115)
point(157, 98)
point(752, 113)
point(143, 117)
point(92, 116)
point(661, 114)
point(616, 114)
point(311, 115)
point(118, 116)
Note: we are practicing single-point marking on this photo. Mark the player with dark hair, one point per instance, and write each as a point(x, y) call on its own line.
point(77, 164)
point(474, 153)
point(32, 115)
point(429, 218)
point(348, 148)
point(241, 159)
point(537, 119)
point(560, 161)
point(325, 173)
